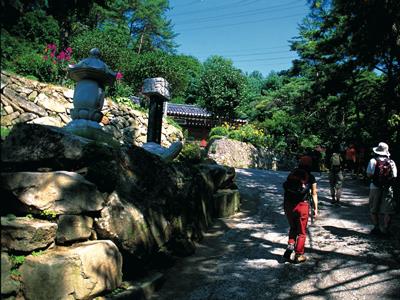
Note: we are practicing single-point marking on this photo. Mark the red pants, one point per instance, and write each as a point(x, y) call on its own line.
point(297, 215)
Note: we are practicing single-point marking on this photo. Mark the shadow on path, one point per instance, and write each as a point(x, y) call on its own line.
point(241, 256)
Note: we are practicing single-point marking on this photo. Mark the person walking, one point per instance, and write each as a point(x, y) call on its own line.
point(336, 176)
point(351, 157)
point(298, 186)
point(382, 171)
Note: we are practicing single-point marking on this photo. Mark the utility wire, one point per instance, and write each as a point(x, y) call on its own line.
point(242, 13)
point(255, 54)
point(234, 4)
point(245, 22)
point(265, 59)
point(237, 16)
point(248, 54)
point(187, 4)
point(262, 64)
point(252, 49)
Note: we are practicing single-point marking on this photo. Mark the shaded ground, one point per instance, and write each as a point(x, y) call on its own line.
point(241, 257)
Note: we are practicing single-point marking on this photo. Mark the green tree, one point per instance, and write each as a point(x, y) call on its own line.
point(112, 41)
point(149, 27)
point(251, 94)
point(339, 43)
point(221, 87)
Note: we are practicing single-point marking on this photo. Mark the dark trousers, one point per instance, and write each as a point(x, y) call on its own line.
point(297, 216)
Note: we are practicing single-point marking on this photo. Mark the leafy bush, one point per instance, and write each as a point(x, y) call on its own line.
point(113, 42)
point(37, 27)
point(192, 153)
point(220, 131)
point(172, 122)
point(33, 30)
point(128, 102)
point(310, 141)
point(34, 64)
point(47, 66)
point(4, 132)
point(11, 47)
point(17, 260)
point(247, 133)
point(121, 89)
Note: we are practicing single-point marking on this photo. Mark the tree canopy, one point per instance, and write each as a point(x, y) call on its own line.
point(344, 83)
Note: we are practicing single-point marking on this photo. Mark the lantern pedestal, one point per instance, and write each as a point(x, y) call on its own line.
point(91, 75)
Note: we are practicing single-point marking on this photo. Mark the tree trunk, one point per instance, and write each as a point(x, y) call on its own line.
point(141, 40)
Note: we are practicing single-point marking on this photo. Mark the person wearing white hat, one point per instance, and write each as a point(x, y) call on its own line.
point(382, 171)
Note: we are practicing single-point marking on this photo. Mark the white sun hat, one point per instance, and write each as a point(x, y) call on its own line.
point(382, 149)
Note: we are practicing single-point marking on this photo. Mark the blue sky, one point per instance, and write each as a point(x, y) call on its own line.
point(255, 34)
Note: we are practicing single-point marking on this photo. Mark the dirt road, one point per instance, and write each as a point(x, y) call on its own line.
point(241, 257)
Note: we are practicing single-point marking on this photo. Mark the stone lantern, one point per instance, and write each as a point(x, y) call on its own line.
point(91, 75)
point(157, 89)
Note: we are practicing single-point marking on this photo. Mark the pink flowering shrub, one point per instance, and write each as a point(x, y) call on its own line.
point(64, 56)
point(60, 59)
point(119, 76)
point(121, 88)
point(48, 65)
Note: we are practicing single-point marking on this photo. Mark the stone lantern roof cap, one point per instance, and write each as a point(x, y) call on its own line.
point(92, 68)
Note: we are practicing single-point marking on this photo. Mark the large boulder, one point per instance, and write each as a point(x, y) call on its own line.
point(46, 143)
point(26, 235)
point(239, 154)
point(73, 228)
point(8, 284)
point(58, 192)
point(226, 203)
point(218, 176)
point(125, 224)
point(78, 272)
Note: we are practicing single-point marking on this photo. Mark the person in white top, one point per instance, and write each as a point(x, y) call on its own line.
point(382, 171)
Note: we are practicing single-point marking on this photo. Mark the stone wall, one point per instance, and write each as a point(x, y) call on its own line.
point(81, 217)
point(29, 101)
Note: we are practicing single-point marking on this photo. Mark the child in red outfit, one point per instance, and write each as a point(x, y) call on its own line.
point(298, 186)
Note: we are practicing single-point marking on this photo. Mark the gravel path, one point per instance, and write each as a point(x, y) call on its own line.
point(241, 257)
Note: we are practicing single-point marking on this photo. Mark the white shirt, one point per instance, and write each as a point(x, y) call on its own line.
point(371, 168)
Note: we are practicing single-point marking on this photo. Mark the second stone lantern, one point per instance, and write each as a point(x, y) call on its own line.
point(157, 89)
point(92, 76)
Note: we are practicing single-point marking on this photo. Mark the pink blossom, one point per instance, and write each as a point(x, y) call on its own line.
point(52, 47)
point(61, 55)
point(68, 50)
point(119, 76)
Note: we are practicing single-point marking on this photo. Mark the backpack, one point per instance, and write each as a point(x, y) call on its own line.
point(336, 162)
point(297, 186)
point(383, 173)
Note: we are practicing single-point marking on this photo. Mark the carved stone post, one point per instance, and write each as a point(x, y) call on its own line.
point(157, 89)
point(91, 75)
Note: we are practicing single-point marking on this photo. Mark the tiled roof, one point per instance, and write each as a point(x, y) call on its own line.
point(188, 110)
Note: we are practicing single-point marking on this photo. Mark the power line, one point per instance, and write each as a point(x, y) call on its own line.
point(252, 49)
point(256, 54)
point(272, 64)
point(237, 4)
point(241, 14)
point(246, 22)
point(248, 54)
point(265, 59)
point(188, 4)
